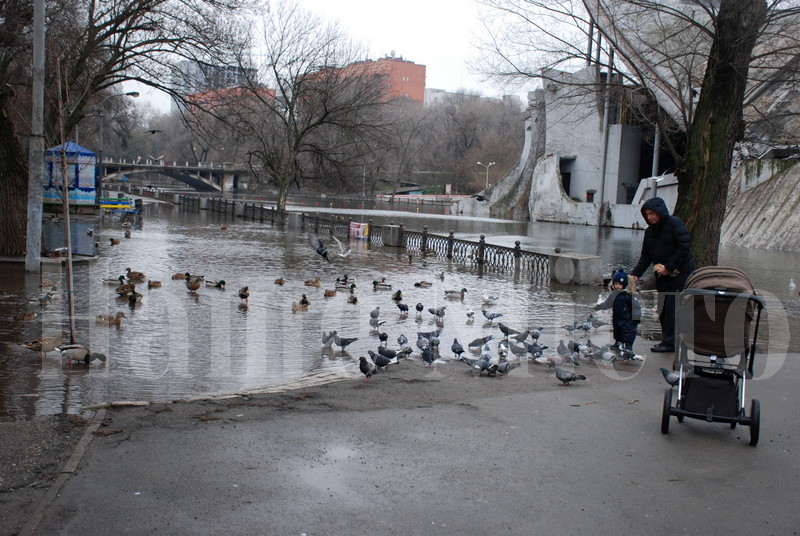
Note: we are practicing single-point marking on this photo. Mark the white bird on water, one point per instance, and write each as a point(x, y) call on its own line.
point(791, 284)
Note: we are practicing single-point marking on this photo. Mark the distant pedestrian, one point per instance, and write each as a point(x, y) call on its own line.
point(667, 245)
point(626, 312)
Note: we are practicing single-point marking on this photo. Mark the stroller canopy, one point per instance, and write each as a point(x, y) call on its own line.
point(715, 311)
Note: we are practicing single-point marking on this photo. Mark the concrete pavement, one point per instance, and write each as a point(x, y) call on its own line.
point(436, 451)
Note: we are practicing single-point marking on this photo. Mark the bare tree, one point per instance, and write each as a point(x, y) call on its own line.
point(99, 44)
point(310, 114)
point(467, 129)
point(702, 61)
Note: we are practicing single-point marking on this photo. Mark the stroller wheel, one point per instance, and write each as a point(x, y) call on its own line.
point(665, 413)
point(755, 421)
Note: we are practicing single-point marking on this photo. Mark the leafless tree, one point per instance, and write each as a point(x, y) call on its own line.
point(309, 114)
point(705, 62)
point(99, 44)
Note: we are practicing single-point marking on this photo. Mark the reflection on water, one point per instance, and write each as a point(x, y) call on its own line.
point(178, 344)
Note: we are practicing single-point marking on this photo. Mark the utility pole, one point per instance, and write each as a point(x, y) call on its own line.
point(33, 246)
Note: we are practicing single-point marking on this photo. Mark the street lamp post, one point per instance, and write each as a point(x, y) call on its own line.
point(487, 166)
point(101, 168)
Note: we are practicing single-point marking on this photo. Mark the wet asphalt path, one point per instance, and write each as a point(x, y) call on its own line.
point(420, 451)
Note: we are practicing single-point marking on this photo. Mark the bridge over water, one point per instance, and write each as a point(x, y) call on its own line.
point(202, 176)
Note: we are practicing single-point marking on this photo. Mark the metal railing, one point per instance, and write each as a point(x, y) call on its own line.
point(480, 254)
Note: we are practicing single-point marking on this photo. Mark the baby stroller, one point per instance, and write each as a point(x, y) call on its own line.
point(714, 353)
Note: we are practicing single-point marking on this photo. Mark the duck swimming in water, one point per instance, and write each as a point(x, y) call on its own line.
point(455, 294)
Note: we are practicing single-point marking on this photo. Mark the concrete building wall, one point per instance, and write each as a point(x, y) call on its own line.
point(622, 167)
point(575, 133)
point(574, 129)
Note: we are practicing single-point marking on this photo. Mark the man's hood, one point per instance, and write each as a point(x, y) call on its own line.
point(658, 206)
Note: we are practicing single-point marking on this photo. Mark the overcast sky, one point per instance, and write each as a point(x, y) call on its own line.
point(436, 33)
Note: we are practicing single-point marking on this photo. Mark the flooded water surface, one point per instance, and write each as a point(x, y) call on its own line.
point(176, 343)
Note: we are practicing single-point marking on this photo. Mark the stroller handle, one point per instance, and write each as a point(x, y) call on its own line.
point(726, 293)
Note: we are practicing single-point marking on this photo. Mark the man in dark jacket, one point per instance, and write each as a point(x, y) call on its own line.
point(666, 245)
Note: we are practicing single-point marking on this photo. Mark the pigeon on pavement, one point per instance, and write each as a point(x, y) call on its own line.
point(567, 376)
point(367, 368)
point(670, 376)
point(457, 348)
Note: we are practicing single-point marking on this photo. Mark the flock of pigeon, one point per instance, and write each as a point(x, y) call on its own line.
point(513, 346)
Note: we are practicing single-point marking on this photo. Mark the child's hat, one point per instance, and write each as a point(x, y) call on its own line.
point(620, 277)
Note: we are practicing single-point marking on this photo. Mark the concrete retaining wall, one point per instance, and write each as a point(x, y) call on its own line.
point(766, 216)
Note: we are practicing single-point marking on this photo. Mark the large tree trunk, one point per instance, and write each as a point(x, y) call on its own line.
point(13, 187)
point(704, 172)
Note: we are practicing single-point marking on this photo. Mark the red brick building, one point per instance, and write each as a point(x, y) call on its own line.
point(403, 79)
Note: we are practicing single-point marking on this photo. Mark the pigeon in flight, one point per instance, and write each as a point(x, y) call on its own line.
point(318, 246)
point(567, 376)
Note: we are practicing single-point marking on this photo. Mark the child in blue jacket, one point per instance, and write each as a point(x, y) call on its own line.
point(626, 312)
